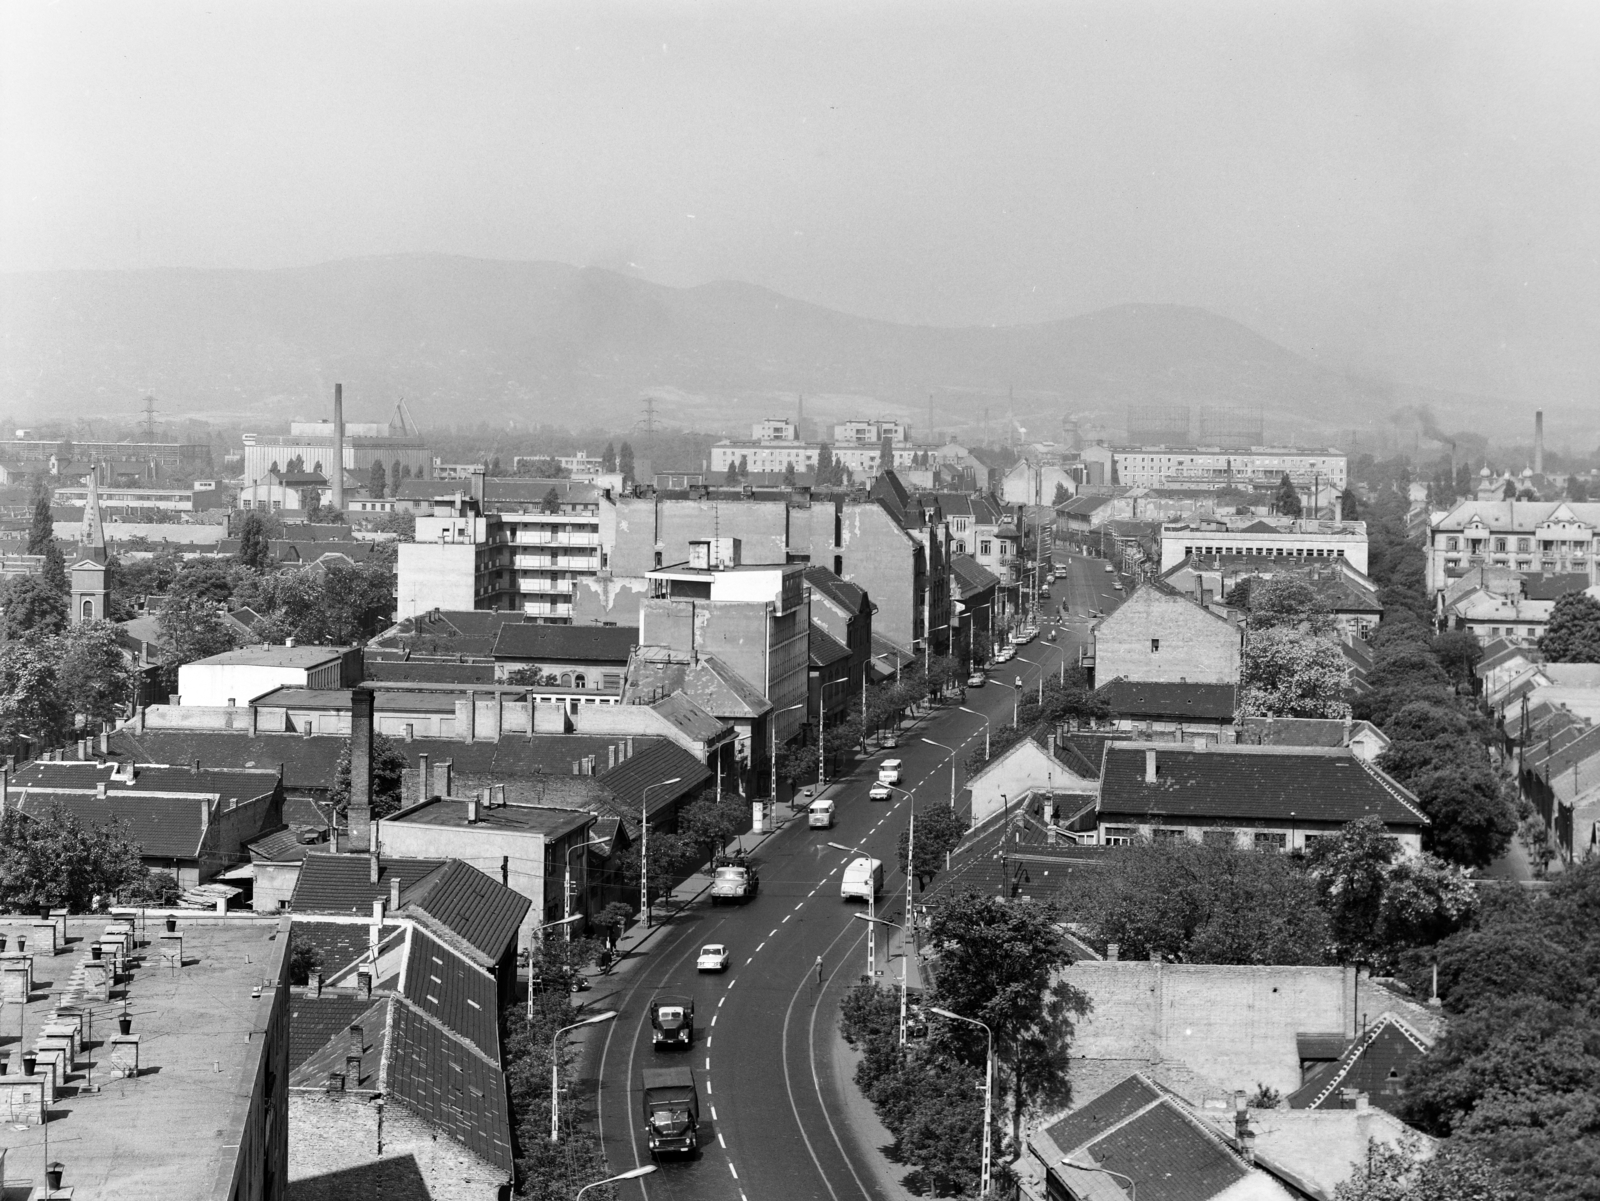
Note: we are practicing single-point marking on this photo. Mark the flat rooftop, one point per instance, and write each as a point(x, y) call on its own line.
point(175, 1130)
point(525, 819)
point(275, 656)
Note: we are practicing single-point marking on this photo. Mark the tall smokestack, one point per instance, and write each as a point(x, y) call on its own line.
point(1538, 442)
point(360, 811)
point(338, 447)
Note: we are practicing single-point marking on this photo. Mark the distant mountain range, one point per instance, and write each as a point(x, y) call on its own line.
point(466, 340)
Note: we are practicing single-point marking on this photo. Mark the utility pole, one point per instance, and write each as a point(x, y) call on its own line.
point(648, 421)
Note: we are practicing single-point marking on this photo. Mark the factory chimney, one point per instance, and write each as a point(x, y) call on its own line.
point(338, 447)
point(1538, 442)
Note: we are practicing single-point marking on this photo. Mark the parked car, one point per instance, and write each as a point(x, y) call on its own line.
point(713, 958)
point(1110, 568)
point(1118, 585)
point(977, 680)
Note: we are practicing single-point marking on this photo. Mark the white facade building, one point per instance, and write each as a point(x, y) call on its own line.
point(1547, 537)
point(1273, 537)
point(1323, 471)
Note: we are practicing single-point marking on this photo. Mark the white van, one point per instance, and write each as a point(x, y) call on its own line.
point(889, 771)
point(863, 879)
point(820, 815)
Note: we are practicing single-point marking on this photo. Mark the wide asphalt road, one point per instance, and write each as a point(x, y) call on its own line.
point(771, 1127)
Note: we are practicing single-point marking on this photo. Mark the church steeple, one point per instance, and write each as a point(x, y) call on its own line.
point(90, 590)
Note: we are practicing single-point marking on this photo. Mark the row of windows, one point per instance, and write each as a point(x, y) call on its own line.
point(1304, 552)
point(1524, 545)
point(1521, 564)
point(1260, 840)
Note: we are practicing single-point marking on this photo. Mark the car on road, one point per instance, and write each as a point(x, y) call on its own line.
point(1118, 585)
point(977, 680)
point(889, 741)
point(1004, 655)
point(879, 792)
point(713, 958)
point(1110, 568)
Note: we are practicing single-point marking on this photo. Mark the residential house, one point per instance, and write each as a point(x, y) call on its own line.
point(1158, 635)
point(1033, 766)
point(571, 657)
point(238, 677)
point(1181, 711)
point(1303, 539)
point(1260, 797)
point(1552, 537)
point(845, 612)
point(829, 687)
point(1370, 1066)
point(976, 608)
point(1495, 602)
point(1363, 738)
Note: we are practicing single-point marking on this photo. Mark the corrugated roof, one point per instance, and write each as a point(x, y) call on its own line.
point(481, 911)
point(1251, 783)
point(566, 644)
point(331, 883)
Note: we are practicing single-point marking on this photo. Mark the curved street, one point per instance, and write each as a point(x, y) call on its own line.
point(772, 1116)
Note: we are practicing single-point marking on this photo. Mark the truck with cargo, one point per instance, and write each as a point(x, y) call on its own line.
point(733, 878)
point(862, 879)
point(671, 1111)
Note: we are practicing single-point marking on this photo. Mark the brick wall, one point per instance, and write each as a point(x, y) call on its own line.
point(1189, 643)
point(348, 1147)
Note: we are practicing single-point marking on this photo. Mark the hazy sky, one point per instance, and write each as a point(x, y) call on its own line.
point(1401, 187)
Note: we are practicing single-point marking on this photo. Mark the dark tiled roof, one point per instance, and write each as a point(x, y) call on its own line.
point(1373, 1064)
point(628, 779)
point(972, 576)
point(825, 648)
point(330, 1056)
point(233, 785)
point(1032, 866)
point(1199, 702)
point(689, 718)
point(1168, 1156)
point(1110, 1107)
point(341, 946)
point(308, 763)
point(1251, 784)
point(299, 811)
point(451, 990)
point(848, 596)
point(1553, 586)
point(442, 1080)
point(480, 911)
point(280, 846)
point(164, 827)
point(428, 671)
point(566, 644)
point(342, 883)
point(1320, 1046)
point(315, 1021)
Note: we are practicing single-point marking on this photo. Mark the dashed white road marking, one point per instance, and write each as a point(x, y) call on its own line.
point(714, 1019)
point(708, 1063)
point(787, 916)
point(763, 943)
point(747, 963)
point(713, 1113)
point(771, 932)
point(722, 1141)
point(709, 1037)
point(722, 1002)
point(735, 1172)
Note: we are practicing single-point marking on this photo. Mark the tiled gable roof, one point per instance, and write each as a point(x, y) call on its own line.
point(567, 644)
point(825, 648)
point(307, 763)
point(315, 1022)
point(1151, 699)
point(163, 827)
point(343, 883)
point(280, 846)
point(441, 1079)
point(689, 718)
point(1251, 784)
point(663, 761)
point(1373, 1064)
point(971, 575)
point(451, 990)
point(477, 909)
point(842, 592)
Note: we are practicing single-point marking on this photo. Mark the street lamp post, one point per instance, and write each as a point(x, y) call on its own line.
point(952, 751)
point(1014, 700)
point(630, 1174)
point(822, 757)
point(988, 1095)
point(1133, 1189)
point(539, 930)
point(903, 967)
point(975, 713)
point(555, 1068)
point(772, 723)
point(872, 911)
point(644, 845)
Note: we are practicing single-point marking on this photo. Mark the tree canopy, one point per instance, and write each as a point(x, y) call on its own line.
point(1289, 672)
point(388, 767)
point(56, 860)
point(1286, 500)
point(1573, 635)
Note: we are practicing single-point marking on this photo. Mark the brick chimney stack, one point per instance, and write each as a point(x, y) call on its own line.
point(337, 472)
point(360, 812)
point(1538, 442)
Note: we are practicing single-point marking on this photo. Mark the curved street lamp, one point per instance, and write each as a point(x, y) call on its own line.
point(555, 1068)
point(952, 751)
point(630, 1174)
point(975, 713)
point(644, 845)
point(988, 1095)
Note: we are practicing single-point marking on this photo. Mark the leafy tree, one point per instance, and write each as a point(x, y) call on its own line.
point(205, 579)
point(31, 607)
point(608, 458)
point(131, 581)
point(1577, 489)
point(939, 831)
point(551, 502)
point(1472, 820)
point(1061, 497)
point(92, 673)
point(825, 464)
point(1288, 602)
point(191, 628)
point(788, 473)
point(670, 858)
point(625, 461)
point(744, 467)
point(1407, 1173)
point(1285, 673)
point(332, 604)
point(1380, 903)
point(378, 480)
point(1458, 652)
point(388, 767)
point(1534, 837)
point(395, 477)
point(255, 549)
point(886, 454)
point(305, 960)
point(611, 921)
point(1000, 963)
point(1349, 505)
point(1287, 501)
point(731, 478)
point(42, 531)
point(54, 569)
point(546, 1170)
point(1573, 635)
point(1401, 674)
point(32, 715)
point(401, 522)
point(709, 824)
point(56, 860)
point(1195, 903)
